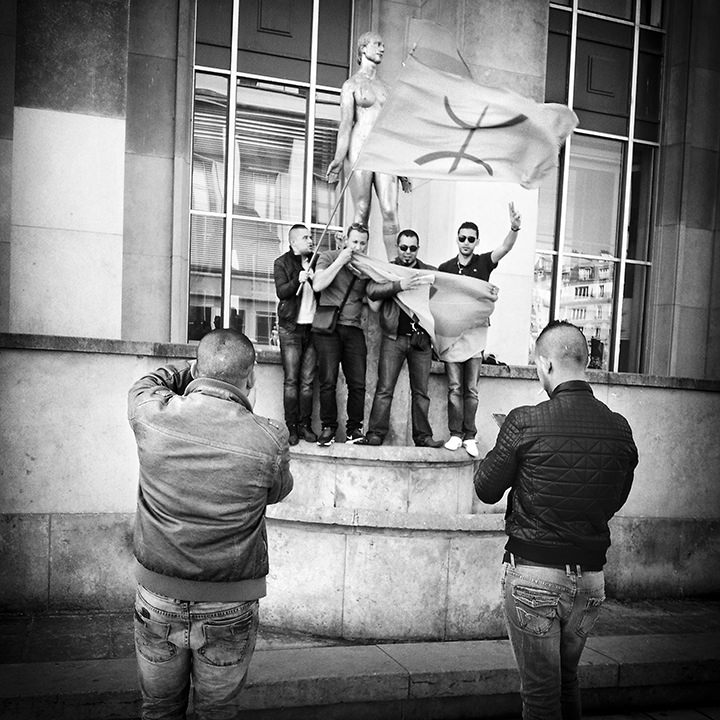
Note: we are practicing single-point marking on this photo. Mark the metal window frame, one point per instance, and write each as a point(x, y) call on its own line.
point(233, 75)
point(622, 238)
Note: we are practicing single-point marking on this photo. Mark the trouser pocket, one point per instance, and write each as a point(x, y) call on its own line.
point(535, 608)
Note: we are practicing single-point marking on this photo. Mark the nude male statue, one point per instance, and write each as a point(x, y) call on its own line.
point(362, 97)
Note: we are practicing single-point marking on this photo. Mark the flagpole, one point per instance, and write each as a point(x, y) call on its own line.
point(327, 224)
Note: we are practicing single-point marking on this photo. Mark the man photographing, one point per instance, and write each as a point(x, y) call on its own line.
point(208, 468)
point(569, 465)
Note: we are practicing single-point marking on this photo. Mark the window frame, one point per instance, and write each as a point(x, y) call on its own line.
point(233, 75)
point(628, 143)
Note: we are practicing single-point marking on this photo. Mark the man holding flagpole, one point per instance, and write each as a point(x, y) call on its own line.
point(463, 377)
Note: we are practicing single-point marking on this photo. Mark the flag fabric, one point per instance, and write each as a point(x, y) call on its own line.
point(443, 126)
point(434, 45)
point(454, 310)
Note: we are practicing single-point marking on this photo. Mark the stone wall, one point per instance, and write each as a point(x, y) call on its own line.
point(382, 542)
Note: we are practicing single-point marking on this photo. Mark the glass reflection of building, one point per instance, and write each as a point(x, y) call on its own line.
point(595, 213)
point(281, 72)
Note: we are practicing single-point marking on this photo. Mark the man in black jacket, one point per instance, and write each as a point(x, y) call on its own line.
point(569, 465)
point(402, 338)
point(292, 271)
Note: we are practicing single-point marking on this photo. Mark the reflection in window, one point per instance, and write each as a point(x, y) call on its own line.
point(586, 298)
point(588, 236)
point(633, 311)
point(594, 196)
point(248, 190)
point(209, 132)
point(541, 295)
point(324, 194)
point(270, 150)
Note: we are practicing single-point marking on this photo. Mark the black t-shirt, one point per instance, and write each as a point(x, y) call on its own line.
point(479, 266)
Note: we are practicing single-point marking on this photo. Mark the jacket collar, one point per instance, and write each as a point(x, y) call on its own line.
point(219, 389)
point(572, 386)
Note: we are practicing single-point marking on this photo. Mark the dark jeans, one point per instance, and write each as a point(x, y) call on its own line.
point(393, 354)
point(462, 379)
point(549, 614)
point(346, 347)
point(299, 361)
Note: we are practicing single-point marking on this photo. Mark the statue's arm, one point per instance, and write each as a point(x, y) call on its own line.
point(347, 115)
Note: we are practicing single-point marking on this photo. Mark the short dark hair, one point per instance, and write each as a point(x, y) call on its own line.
point(470, 226)
point(297, 226)
point(358, 227)
point(225, 354)
point(563, 341)
point(407, 233)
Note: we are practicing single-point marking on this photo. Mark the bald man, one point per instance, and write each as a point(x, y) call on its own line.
point(208, 468)
point(568, 463)
point(297, 300)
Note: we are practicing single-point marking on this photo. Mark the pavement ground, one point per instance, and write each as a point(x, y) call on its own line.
point(650, 660)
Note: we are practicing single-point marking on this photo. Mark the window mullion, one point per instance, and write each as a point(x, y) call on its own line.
point(624, 236)
point(230, 169)
point(310, 125)
point(565, 175)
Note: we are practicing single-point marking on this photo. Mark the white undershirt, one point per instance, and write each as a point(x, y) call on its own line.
point(307, 299)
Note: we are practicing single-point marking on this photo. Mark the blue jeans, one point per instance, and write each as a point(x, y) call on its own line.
point(549, 614)
point(210, 642)
point(462, 379)
point(346, 347)
point(393, 354)
point(299, 361)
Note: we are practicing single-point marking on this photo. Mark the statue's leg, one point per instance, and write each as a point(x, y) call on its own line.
point(360, 187)
point(386, 188)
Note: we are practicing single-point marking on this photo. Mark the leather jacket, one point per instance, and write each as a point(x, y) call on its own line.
point(286, 269)
point(208, 468)
point(569, 462)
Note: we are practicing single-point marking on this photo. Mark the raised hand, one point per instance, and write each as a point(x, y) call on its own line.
point(515, 217)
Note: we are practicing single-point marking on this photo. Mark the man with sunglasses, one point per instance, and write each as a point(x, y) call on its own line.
point(463, 377)
point(402, 339)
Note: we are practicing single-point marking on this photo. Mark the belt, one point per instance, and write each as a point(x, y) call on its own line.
point(567, 568)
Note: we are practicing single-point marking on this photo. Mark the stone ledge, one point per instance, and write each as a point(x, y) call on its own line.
point(361, 518)
point(374, 675)
point(406, 455)
point(62, 343)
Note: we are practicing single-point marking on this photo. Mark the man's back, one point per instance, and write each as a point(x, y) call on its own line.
point(208, 467)
point(570, 462)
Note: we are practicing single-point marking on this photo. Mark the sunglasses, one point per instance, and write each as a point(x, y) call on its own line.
point(467, 238)
point(405, 248)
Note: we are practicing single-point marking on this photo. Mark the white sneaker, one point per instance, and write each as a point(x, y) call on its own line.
point(454, 443)
point(471, 446)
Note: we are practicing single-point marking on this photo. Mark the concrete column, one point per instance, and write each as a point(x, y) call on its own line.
point(68, 130)
point(684, 310)
point(7, 92)
point(153, 119)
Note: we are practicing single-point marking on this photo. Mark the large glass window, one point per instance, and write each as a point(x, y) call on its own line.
point(595, 214)
point(265, 117)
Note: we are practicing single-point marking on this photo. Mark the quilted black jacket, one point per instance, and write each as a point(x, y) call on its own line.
point(569, 462)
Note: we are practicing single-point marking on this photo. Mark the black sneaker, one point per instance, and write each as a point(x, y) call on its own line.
point(355, 436)
point(428, 441)
point(293, 438)
point(326, 437)
point(307, 434)
point(370, 439)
